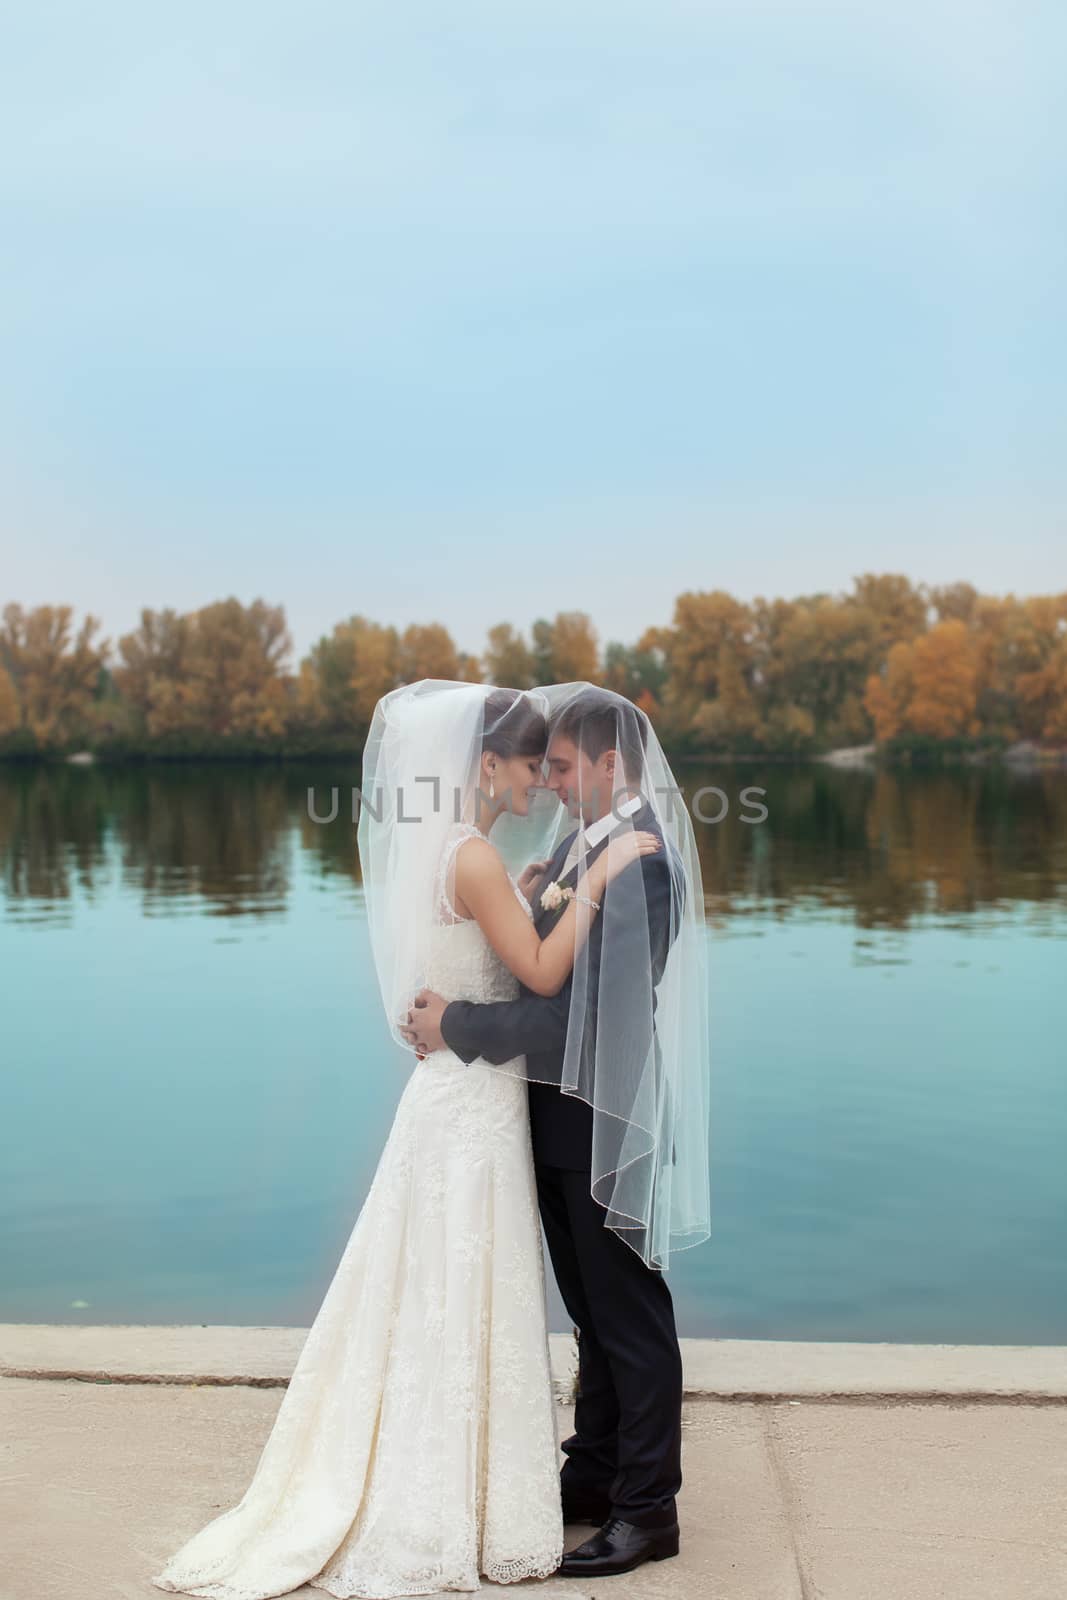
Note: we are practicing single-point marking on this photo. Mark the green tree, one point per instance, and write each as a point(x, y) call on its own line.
point(639, 674)
point(814, 656)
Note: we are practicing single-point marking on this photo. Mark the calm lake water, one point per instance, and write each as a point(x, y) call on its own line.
point(197, 1077)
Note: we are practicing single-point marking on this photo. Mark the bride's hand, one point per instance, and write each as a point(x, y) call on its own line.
point(620, 854)
point(530, 876)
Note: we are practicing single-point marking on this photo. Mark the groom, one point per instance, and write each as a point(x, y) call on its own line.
point(623, 1467)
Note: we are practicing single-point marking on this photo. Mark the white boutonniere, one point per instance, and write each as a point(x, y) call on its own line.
point(555, 895)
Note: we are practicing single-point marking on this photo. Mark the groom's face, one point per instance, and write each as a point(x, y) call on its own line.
point(585, 787)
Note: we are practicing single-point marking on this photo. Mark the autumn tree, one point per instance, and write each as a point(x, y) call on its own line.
point(345, 674)
point(929, 687)
point(710, 693)
point(640, 674)
point(9, 703)
point(954, 602)
point(888, 693)
point(813, 658)
point(1041, 684)
point(53, 671)
point(509, 661)
point(217, 671)
point(427, 651)
point(470, 667)
point(574, 648)
point(238, 663)
point(1000, 631)
point(153, 672)
point(565, 650)
point(897, 608)
point(349, 670)
point(944, 682)
point(938, 662)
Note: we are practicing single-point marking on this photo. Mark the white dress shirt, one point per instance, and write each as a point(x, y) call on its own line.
point(594, 832)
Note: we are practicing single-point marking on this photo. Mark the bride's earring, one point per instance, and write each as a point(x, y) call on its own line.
point(492, 791)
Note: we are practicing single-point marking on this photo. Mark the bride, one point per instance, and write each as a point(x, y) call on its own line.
point(415, 1448)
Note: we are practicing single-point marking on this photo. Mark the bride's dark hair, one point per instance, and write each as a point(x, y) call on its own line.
point(512, 725)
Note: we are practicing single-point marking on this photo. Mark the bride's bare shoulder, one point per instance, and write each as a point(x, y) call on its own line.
point(479, 860)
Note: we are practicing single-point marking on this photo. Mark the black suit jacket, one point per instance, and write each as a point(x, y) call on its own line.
point(535, 1026)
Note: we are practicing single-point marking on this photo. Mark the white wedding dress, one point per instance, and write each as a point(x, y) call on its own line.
point(415, 1448)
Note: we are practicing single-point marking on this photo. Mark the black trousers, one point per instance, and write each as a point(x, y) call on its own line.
point(628, 1424)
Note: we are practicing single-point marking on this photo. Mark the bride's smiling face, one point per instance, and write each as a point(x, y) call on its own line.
point(513, 779)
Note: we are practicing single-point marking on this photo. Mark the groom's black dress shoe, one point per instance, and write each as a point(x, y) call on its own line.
point(619, 1547)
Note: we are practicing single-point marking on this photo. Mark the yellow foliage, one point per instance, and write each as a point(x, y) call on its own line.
point(217, 670)
point(470, 668)
point(376, 668)
point(944, 682)
point(9, 703)
point(427, 651)
point(509, 661)
point(929, 686)
point(573, 648)
point(1042, 688)
point(772, 674)
point(888, 693)
point(54, 671)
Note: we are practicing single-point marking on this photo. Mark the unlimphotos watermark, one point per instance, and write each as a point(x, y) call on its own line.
point(708, 805)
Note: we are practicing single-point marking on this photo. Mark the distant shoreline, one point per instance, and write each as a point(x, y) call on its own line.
point(1022, 754)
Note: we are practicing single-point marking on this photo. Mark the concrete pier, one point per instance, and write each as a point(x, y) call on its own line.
point(812, 1471)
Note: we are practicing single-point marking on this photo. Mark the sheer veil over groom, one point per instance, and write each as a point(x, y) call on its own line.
point(559, 1022)
point(617, 1068)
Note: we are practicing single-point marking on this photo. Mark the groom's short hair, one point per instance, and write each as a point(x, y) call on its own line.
point(597, 720)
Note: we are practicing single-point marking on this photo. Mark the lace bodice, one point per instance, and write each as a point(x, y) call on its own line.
point(462, 964)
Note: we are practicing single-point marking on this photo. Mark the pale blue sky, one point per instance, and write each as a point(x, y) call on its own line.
point(472, 312)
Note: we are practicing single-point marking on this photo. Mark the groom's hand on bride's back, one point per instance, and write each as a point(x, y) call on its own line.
point(422, 1025)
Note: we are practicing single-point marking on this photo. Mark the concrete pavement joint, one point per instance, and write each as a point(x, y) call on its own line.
point(881, 1400)
point(791, 1505)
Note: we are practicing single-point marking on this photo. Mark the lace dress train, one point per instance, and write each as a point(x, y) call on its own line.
point(415, 1448)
